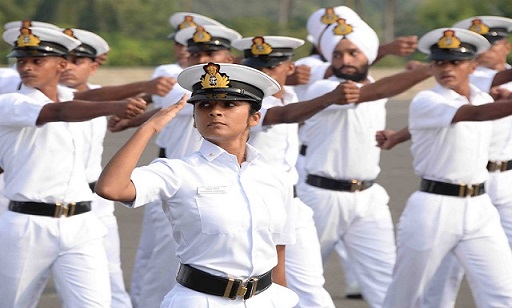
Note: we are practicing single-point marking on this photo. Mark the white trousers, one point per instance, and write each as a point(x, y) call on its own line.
point(4, 202)
point(275, 296)
point(361, 220)
point(304, 266)
point(104, 210)
point(431, 227)
point(156, 263)
point(70, 247)
point(444, 287)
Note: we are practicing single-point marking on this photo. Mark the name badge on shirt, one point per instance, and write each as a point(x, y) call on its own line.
point(209, 190)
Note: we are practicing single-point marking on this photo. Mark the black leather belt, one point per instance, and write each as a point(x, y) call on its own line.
point(303, 149)
point(161, 153)
point(50, 209)
point(448, 189)
point(495, 166)
point(339, 185)
point(204, 282)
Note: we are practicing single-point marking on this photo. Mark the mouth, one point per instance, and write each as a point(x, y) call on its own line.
point(348, 69)
point(66, 76)
point(215, 124)
point(447, 77)
point(26, 76)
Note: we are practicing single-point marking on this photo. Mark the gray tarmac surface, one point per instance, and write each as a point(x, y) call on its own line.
point(396, 176)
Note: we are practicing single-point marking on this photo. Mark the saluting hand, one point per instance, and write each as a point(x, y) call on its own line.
point(165, 115)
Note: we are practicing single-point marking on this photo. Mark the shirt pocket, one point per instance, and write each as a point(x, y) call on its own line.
point(219, 215)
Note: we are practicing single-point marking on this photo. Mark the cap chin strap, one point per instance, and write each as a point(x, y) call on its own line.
point(244, 94)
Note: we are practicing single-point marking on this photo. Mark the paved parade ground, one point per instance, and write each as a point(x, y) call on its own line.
point(396, 176)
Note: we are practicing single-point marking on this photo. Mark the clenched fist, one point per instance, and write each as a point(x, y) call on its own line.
point(346, 93)
point(132, 107)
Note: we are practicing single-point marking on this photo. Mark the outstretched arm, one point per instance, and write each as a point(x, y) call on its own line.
point(394, 84)
point(157, 86)
point(402, 46)
point(114, 182)
point(486, 112)
point(502, 78)
point(77, 111)
point(345, 93)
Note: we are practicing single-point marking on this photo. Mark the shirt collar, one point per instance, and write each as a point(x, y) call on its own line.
point(65, 94)
point(211, 151)
point(450, 94)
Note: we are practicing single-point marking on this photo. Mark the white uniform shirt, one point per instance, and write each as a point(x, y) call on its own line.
point(341, 138)
point(226, 218)
point(94, 133)
point(501, 144)
point(9, 80)
point(42, 164)
point(171, 70)
point(279, 143)
point(442, 151)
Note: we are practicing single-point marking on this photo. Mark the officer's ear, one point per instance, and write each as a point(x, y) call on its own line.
point(291, 68)
point(474, 65)
point(62, 63)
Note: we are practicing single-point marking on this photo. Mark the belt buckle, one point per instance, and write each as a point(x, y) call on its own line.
point(468, 190)
point(253, 283)
point(356, 185)
point(497, 166)
point(242, 288)
point(493, 166)
point(503, 166)
point(66, 210)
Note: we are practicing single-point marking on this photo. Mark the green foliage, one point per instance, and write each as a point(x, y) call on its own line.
point(137, 29)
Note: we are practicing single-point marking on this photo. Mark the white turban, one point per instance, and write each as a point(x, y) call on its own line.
point(321, 18)
point(356, 31)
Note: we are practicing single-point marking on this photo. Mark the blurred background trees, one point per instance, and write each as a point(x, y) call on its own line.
point(137, 29)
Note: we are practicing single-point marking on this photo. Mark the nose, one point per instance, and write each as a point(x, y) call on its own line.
point(215, 110)
point(346, 59)
point(70, 63)
point(23, 66)
point(203, 58)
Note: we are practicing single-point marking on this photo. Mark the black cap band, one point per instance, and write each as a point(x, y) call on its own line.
point(216, 43)
point(264, 61)
point(465, 51)
point(496, 34)
point(238, 91)
point(42, 50)
point(84, 50)
point(275, 57)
